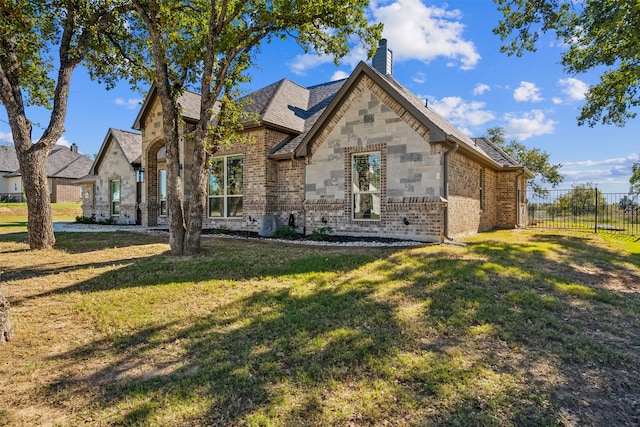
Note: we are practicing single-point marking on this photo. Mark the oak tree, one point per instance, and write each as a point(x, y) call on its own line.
point(32, 33)
point(534, 159)
point(210, 45)
point(600, 36)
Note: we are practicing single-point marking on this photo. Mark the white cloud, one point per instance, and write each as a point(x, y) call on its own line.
point(527, 91)
point(481, 88)
point(628, 161)
point(419, 78)
point(461, 113)
point(417, 31)
point(6, 138)
point(532, 123)
point(129, 104)
point(339, 75)
point(414, 31)
point(556, 100)
point(574, 88)
point(64, 142)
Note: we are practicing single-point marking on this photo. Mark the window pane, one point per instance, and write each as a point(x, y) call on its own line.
point(163, 208)
point(366, 206)
point(162, 185)
point(216, 207)
point(234, 206)
point(234, 175)
point(216, 177)
point(366, 172)
point(115, 190)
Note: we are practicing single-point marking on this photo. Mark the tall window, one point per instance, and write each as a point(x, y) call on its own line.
point(365, 184)
point(225, 187)
point(115, 197)
point(162, 191)
point(482, 189)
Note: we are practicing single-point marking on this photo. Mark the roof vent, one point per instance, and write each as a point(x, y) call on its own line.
point(383, 59)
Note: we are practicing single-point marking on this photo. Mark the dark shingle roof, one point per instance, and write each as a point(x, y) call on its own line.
point(130, 143)
point(63, 163)
point(495, 152)
point(8, 159)
point(319, 98)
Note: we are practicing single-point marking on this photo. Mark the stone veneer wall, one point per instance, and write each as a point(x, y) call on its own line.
point(114, 165)
point(370, 120)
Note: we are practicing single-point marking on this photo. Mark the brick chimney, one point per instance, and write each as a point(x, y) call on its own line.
point(74, 148)
point(383, 59)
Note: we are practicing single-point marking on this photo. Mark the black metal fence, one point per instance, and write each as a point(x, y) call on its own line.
point(588, 209)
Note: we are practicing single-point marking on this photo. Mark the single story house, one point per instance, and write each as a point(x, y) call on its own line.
point(363, 156)
point(63, 167)
point(113, 186)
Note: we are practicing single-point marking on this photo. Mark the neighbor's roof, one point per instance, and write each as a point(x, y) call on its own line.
point(8, 159)
point(63, 163)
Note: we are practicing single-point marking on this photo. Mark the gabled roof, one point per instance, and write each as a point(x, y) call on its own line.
point(189, 101)
point(130, 143)
point(62, 163)
point(8, 159)
point(440, 130)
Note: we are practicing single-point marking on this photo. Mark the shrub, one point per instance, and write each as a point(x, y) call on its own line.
point(286, 233)
point(85, 220)
point(321, 234)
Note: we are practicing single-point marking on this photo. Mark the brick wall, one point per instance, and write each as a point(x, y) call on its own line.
point(65, 191)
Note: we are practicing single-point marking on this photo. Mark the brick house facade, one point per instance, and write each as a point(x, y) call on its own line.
point(363, 156)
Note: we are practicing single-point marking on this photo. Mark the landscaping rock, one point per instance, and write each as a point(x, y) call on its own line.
point(6, 325)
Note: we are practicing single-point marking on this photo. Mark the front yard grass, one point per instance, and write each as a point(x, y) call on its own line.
point(517, 328)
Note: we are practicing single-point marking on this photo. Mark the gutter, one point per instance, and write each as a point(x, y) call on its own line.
point(456, 145)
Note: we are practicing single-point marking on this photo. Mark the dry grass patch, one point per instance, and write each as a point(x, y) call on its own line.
point(516, 328)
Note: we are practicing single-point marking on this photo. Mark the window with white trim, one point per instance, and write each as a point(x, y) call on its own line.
point(162, 191)
point(115, 197)
point(366, 185)
point(225, 187)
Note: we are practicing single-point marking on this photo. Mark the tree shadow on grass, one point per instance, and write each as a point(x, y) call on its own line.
point(558, 315)
point(275, 358)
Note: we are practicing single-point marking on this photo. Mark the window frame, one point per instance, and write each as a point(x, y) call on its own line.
point(162, 208)
point(228, 192)
point(356, 192)
point(112, 198)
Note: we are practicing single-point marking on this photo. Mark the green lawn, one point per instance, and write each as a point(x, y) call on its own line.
point(515, 328)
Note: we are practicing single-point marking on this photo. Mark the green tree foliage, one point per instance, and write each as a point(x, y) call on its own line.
point(601, 35)
point(210, 45)
point(581, 200)
point(534, 159)
point(30, 31)
point(635, 179)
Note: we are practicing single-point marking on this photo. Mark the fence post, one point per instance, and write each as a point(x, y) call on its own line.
point(595, 225)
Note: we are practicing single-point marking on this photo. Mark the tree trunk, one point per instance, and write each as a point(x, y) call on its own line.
point(36, 188)
point(198, 199)
point(6, 325)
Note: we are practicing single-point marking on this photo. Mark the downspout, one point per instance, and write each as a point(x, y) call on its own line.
point(304, 189)
point(518, 199)
point(446, 188)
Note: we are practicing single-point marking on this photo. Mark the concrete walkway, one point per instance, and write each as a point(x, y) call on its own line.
point(74, 227)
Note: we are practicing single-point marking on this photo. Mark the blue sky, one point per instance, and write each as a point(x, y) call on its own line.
point(444, 52)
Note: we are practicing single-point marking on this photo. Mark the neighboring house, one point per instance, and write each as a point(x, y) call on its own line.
point(363, 156)
point(63, 167)
point(113, 187)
